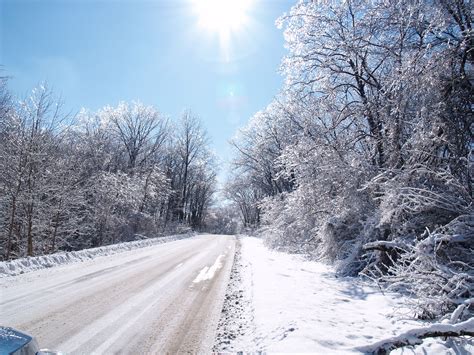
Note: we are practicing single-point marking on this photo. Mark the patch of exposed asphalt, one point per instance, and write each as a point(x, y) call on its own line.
point(236, 328)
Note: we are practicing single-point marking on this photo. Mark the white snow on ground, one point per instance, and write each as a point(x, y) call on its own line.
point(301, 306)
point(208, 272)
point(23, 265)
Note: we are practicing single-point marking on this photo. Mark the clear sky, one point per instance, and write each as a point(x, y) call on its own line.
point(171, 54)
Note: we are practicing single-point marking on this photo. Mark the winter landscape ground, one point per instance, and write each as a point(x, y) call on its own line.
point(329, 143)
point(193, 301)
point(327, 315)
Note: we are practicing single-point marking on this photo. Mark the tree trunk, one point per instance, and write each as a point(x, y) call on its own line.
point(29, 234)
point(55, 230)
point(10, 226)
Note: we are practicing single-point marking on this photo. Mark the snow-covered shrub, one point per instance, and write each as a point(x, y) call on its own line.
point(411, 201)
point(437, 269)
point(342, 238)
point(418, 197)
point(326, 214)
point(285, 229)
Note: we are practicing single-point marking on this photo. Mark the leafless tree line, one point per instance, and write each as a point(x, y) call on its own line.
point(119, 174)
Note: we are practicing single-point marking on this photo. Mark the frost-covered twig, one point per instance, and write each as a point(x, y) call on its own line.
point(384, 245)
point(460, 309)
point(437, 270)
point(416, 336)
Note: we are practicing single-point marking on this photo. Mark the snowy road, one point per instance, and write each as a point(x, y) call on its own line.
point(165, 298)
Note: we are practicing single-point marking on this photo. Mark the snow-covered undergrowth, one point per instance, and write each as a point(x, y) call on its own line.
point(23, 265)
point(296, 305)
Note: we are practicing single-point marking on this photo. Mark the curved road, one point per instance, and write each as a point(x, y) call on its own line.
point(160, 299)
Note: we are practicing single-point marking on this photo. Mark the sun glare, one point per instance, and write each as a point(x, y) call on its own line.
point(222, 16)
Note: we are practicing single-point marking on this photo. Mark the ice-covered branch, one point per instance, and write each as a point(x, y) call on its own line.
point(416, 336)
point(384, 245)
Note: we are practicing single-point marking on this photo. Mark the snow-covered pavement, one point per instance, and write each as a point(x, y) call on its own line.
point(163, 298)
point(282, 303)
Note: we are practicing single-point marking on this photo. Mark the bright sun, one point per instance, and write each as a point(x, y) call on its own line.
point(222, 16)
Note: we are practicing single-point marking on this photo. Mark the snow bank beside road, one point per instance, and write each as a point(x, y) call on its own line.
point(295, 305)
point(23, 265)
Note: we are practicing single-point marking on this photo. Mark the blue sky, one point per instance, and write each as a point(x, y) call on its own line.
point(97, 53)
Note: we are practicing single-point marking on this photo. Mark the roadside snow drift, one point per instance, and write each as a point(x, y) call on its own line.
point(20, 266)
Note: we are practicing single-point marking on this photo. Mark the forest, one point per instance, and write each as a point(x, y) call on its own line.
point(366, 157)
point(123, 173)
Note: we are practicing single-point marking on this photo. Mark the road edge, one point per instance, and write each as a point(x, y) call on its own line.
point(30, 264)
point(236, 323)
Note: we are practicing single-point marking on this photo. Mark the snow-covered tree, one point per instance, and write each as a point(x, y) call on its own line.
point(366, 154)
point(118, 174)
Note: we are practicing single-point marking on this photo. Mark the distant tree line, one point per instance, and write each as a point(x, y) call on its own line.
point(366, 157)
point(119, 174)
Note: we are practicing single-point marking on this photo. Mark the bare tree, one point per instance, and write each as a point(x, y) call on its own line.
point(142, 131)
point(191, 147)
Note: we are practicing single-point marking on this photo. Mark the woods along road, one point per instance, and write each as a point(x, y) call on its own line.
point(164, 298)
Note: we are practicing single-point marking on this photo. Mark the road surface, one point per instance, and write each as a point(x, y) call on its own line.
point(160, 299)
